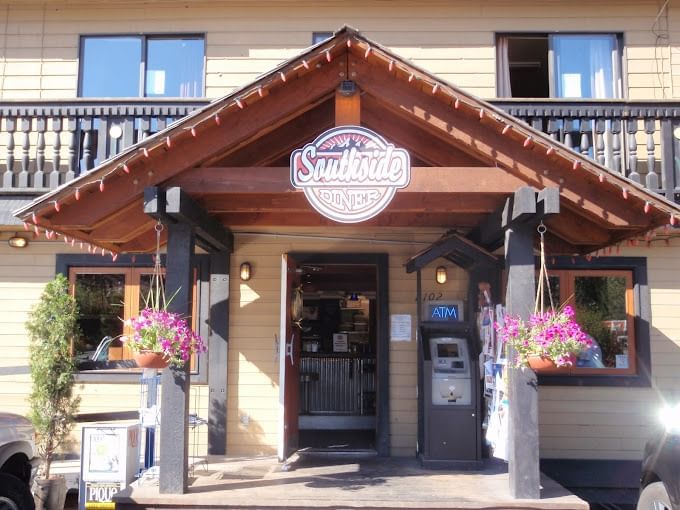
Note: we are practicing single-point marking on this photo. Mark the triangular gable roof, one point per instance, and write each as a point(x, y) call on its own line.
point(103, 207)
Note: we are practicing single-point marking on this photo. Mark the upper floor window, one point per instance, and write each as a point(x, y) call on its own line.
point(318, 37)
point(142, 66)
point(559, 65)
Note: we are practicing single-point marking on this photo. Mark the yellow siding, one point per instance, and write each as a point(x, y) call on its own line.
point(613, 423)
point(23, 274)
point(254, 312)
point(453, 39)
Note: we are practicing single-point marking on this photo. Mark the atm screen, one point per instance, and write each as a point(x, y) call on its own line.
point(447, 351)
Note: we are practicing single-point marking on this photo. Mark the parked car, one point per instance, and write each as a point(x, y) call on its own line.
point(17, 447)
point(660, 480)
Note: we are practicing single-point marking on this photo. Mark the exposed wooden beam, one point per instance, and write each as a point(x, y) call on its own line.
point(180, 207)
point(238, 128)
point(407, 133)
point(216, 180)
point(385, 219)
point(583, 189)
point(347, 105)
point(272, 146)
point(402, 202)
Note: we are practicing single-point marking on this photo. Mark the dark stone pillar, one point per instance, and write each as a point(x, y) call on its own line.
point(175, 381)
point(218, 343)
point(522, 386)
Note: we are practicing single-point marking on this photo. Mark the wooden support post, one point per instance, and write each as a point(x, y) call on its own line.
point(347, 105)
point(521, 214)
point(217, 347)
point(175, 381)
point(523, 459)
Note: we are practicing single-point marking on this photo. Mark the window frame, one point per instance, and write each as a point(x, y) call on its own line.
point(639, 319)
point(619, 65)
point(144, 38)
point(144, 262)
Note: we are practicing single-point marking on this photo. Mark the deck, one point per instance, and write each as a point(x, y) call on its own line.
point(312, 482)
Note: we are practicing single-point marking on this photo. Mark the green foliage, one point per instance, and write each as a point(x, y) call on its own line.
point(51, 326)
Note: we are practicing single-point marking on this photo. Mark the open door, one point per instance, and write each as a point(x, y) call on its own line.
point(289, 357)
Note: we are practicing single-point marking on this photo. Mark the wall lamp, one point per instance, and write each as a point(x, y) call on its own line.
point(17, 242)
point(440, 275)
point(245, 271)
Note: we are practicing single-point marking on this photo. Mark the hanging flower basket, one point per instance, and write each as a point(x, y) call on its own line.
point(543, 365)
point(150, 359)
point(547, 341)
point(161, 338)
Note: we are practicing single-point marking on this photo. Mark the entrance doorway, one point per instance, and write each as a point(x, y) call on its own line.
point(339, 330)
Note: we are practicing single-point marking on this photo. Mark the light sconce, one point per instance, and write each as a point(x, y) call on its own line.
point(440, 275)
point(245, 271)
point(17, 242)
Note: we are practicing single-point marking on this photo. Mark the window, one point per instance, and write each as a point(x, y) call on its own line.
point(319, 37)
point(142, 66)
point(559, 65)
point(603, 301)
point(107, 297)
point(610, 297)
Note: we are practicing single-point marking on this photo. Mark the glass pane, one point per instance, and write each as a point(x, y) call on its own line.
point(174, 68)
point(111, 67)
point(584, 66)
point(100, 298)
point(601, 312)
point(318, 37)
point(145, 289)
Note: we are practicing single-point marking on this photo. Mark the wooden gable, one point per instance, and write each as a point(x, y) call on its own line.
point(231, 157)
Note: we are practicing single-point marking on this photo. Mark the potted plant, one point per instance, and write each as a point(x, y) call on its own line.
point(547, 340)
point(160, 338)
point(51, 326)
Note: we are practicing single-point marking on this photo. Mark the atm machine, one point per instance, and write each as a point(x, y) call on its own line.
point(450, 400)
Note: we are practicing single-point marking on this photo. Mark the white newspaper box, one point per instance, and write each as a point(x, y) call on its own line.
point(109, 462)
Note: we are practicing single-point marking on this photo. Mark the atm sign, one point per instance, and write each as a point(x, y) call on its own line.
point(444, 312)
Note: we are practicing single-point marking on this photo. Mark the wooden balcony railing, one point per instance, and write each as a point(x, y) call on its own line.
point(44, 144)
point(638, 139)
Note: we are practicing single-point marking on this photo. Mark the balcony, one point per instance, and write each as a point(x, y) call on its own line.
point(44, 144)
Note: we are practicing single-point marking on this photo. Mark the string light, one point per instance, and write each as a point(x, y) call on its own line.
point(26, 225)
point(260, 92)
point(218, 121)
point(57, 207)
point(368, 52)
point(168, 142)
point(624, 193)
point(349, 43)
point(101, 185)
point(305, 64)
point(126, 168)
point(239, 103)
point(435, 88)
point(528, 142)
point(456, 103)
point(481, 113)
point(647, 207)
point(328, 57)
point(390, 67)
point(506, 129)
point(410, 77)
point(550, 151)
point(34, 218)
point(193, 131)
point(145, 151)
point(601, 177)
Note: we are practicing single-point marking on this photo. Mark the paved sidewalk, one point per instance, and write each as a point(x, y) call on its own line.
point(346, 483)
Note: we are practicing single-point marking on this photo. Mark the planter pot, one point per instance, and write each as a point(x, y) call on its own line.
point(542, 365)
point(149, 359)
point(50, 494)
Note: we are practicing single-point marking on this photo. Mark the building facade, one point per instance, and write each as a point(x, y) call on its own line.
point(81, 83)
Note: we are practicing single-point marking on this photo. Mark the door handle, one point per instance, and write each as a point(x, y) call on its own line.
point(289, 349)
